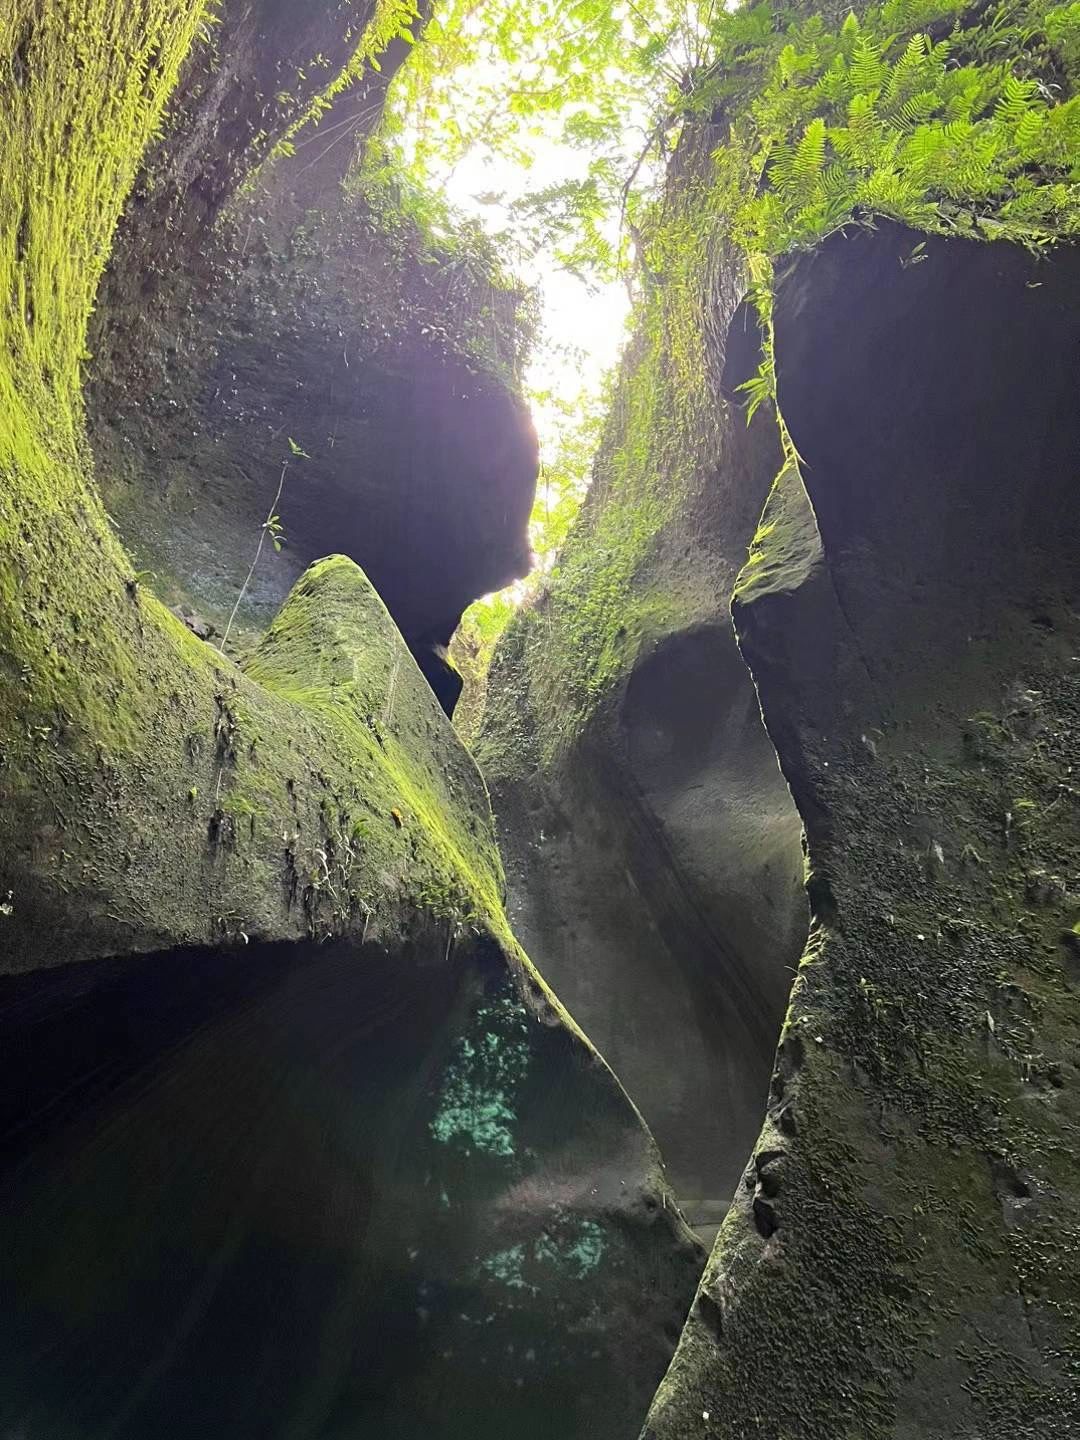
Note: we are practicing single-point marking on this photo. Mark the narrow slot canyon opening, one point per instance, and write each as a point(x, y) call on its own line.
point(668, 909)
point(320, 1190)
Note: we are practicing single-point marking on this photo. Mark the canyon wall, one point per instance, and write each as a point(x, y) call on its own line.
point(892, 578)
point(296, 1137)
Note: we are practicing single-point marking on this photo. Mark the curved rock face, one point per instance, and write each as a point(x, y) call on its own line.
point(906, 1236)
point(253, 73)
point(310, 1190)
point(304, 317)
point(315, 1184)
point(705, 769)
point(658, 870)
point(416, 465)
point(295, 1140)
point(652, 848)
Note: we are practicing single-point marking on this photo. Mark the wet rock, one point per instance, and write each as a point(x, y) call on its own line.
point(666, 896)
point(262, 1164)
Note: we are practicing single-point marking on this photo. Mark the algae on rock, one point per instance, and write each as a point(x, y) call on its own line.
point(238, 905)
point(874, 1274)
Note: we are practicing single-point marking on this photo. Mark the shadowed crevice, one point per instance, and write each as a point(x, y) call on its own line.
point(307, 1190)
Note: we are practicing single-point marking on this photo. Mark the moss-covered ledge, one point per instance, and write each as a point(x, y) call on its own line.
point(153, 794)
point(150, 793)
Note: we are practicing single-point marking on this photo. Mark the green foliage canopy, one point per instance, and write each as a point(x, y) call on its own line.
point(948, 116)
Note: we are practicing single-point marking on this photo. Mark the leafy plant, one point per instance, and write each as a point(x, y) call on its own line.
point(946, 117)
point(949, 121)
point(953, 117)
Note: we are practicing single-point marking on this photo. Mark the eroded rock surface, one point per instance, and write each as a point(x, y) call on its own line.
point(663, 887)
point(906, 1235)
point(653, 851)
point(305, 1189)
point(295, 1139)
point(262, 312)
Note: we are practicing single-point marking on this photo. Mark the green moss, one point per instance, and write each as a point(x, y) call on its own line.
point(79, 100)
point(786, 546)
point(579, 641)
point(390, 19)
point(150, 787)
point(947, 120)
point(335, 651)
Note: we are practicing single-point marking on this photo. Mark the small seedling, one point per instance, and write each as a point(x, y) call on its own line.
point(271, 526)
point(917, 256)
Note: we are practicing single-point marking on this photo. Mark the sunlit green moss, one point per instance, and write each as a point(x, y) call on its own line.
point(320, 792)
point(904, 109)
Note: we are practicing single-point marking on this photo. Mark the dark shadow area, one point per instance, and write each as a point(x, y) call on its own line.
point(317, 1191)
point(932, 404)
point(205, 1162)
point(307, 366)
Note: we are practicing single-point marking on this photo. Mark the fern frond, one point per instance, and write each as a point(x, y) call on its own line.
point(1060, 140)
point(938, 55)
point(867, 67)
point(917, 110)
point(897, 15)
point(922, 153)
point(863, 138)
point(1017, 98)
point(834, 85)
point(809, 159)
point(906, 73)
point(792, 63)
point(760, 388)
point(835, 180)
point(1030, 133)
point(779, 168)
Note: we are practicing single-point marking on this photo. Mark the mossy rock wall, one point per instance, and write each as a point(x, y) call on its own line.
point(906, 1233)
point(898, 1257)
point(250, 917)
point(337, 333)
point(252, 74)
point(653, 852)
point(258, 299)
